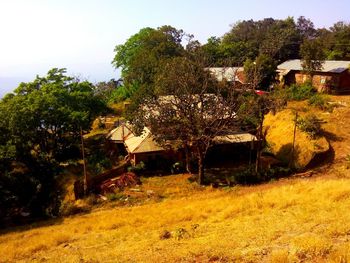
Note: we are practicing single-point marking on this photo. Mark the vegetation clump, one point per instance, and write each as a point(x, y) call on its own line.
point(300, 92)
point(310, 124)
point(321, 102)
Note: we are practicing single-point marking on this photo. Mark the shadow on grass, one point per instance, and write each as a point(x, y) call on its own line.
point(19, 225)
point(331, 136)
point(322, 159)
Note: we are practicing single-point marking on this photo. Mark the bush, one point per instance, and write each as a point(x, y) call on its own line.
point(115, 196)
point(248, 176)
point(300, 92)
point(320, 101)
point(98, 162)
point(137, 168)
point(310, 124)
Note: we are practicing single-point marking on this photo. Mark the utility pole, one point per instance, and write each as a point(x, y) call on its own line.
point(84, 162)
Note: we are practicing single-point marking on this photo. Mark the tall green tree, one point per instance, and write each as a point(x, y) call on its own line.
point(40, 124)
point(190, 107)
point(312, 55)
point(341, 41)
point(141, 55)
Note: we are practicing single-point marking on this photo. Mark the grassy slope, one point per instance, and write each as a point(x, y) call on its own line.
point(297, 219)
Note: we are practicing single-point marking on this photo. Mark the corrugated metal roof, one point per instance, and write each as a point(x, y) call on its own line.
point(135, 144)
point(118, 133)
point(146, 143)
point(228, 73)
point(235, 138)
point(336, 66)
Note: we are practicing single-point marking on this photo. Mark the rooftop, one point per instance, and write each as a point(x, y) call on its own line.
point(228, 73)
point(335, 66)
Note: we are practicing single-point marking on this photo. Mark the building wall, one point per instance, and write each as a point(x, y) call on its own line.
point(344, 82)
point(323, 81)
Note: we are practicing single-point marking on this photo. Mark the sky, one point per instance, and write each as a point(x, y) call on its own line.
point(80, 35)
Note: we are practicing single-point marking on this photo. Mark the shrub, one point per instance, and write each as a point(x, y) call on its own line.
point(248, 176)
point(115, 196)
point(310, 124)
point(98, 162)
point(137, 168)
point(320, 101)
point(300, 92)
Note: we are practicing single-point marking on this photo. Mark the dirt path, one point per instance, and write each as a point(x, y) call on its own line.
point(337, 131)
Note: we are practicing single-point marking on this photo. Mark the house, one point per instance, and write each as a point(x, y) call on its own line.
point(138, 148)
point(230, 74)
point(333, 77)
point(144, 148)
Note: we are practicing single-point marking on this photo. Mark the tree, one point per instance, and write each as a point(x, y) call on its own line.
point(40, 126)
point(341, 41)
point(306, 28)
point(261, 72)
point(277, 39)
point(106, 91)
point(141, 55)
point(190, 107)
point(312, 55)
point(281, 41)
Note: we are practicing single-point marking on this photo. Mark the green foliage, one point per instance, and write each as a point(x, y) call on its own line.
point(137, 168)
point(299, 92)
point(106, 90)
point(310, 124)
point(312, 55)
point(274, 38)
point(261, 72)
point(339, 41)
point(115, 196)
point(40, 125)
point(320, 101)
point(122, 93)
point(249, 176)
point(98, 162)
point(141, 55)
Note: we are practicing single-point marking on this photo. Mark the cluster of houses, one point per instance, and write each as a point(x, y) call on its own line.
point(334, 77)
point(144, 148)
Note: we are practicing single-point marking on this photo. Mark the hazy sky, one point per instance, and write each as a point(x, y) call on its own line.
point(80, 35)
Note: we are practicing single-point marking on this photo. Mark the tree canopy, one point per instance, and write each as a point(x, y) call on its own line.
point(141, 55)
point(190, 107)
point(40, 124)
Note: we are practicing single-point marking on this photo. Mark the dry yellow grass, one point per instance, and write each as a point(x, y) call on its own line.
point(285, 221)
point(280, 129)
point(294, 220)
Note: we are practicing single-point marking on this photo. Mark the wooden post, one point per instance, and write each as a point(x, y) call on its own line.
point(291, 163)
point(84, 162)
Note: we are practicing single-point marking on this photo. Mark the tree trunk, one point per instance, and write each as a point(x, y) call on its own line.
point(188, 159)
point(200, 168)
point(84, 163)
point(258, 150)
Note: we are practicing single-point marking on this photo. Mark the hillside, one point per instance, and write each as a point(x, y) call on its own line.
point(291, 220)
